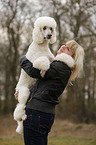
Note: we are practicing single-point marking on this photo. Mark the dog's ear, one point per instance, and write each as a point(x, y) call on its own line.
point(53, 39)
point(37, 35)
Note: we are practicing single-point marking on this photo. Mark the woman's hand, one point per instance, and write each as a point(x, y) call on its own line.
point(42, 73)
point(16, 94)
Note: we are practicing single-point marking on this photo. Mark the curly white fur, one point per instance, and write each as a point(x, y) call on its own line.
point(67, 59)
point(37, 49)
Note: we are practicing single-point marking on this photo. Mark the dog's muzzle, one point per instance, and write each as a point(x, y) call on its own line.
point(49, 36)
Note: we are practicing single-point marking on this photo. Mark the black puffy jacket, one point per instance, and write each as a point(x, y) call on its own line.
point(45, 92)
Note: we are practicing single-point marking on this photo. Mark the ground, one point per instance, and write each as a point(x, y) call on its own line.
point(62, 133)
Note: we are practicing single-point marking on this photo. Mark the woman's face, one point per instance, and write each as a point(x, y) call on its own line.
point(65, 49)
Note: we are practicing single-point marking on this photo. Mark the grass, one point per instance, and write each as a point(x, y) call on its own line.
point(53, 140)
point(71, 141)
point(62, 133)
point(11, 141)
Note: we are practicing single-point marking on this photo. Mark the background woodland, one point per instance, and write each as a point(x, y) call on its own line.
point(76, 19)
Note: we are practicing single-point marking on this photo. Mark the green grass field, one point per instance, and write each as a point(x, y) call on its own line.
point(71, 141)
point(62, 133)
point(52, 141)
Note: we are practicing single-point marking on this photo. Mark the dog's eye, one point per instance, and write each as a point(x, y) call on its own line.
point(44, 28)
point(51, 29)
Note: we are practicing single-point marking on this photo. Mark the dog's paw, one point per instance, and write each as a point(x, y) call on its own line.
point(42, 63)
point(20, 127)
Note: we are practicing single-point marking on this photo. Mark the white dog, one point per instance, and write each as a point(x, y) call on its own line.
point(43, 34)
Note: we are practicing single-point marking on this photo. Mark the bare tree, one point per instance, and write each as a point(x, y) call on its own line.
point(13, 24)
point(78, 19)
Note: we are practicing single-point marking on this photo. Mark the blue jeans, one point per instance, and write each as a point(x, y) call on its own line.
point(36, 127)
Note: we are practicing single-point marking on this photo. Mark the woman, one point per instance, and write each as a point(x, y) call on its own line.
point(40, 108)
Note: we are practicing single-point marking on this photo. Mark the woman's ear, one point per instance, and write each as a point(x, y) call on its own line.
point(53, 39)
point(38, 35)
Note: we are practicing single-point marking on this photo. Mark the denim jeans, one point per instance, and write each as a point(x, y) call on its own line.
point(36, 127)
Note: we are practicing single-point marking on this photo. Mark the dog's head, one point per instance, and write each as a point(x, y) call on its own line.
point(44, 29)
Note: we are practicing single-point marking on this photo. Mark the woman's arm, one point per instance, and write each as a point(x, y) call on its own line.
point(33, 72)
point(27, 66)
point(57, 68)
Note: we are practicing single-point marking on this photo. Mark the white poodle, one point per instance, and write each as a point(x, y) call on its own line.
point(43, 33)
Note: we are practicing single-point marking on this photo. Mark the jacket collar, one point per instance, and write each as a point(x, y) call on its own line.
point(67, 59)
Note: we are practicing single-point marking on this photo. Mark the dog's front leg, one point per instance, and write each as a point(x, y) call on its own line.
point(42, 63)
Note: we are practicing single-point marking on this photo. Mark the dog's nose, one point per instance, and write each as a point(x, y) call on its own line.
point(49, 36)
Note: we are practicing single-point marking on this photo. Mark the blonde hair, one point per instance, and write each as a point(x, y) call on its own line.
point(78, 56)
